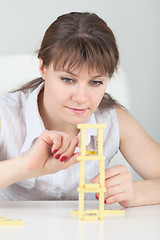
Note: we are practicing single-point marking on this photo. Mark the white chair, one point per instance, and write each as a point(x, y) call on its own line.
point(17, 70)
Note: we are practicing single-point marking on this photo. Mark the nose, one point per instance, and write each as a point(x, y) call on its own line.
point(80, 94)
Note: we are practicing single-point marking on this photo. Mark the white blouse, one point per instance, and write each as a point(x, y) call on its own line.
point(21, 124)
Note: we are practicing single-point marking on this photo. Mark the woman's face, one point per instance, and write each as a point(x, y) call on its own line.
point(71, 96)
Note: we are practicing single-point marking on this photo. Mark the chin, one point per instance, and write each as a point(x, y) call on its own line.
point(78, 120)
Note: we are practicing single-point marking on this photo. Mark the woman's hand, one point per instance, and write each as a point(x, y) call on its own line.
point(119, 186)
point(53, 151)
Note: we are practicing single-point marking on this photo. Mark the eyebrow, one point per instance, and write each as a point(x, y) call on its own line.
point(68, 71)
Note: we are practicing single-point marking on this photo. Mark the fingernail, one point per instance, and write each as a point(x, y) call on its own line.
point(54, 151)
point(63, 158)
point(105, 201)
point(96, 196)
point(57, 156)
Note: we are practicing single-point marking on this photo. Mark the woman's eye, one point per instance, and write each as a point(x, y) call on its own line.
point(96, 83)
point(67, 80)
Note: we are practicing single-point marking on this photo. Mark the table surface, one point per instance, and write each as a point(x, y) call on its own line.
point(53, 220)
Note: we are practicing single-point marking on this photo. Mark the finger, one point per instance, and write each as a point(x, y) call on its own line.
point(53, 139)
point(113, 171)
point(70, 150)
point(113, 181)
point(65, 143)
point(116, 198)
point(49, 140)
point(115, 190)
point(123, 180)
point(95, 179)
point(69, 162)
point(97, 196)
point(78, 141)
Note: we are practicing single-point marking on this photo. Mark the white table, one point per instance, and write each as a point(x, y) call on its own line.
point(53, 220)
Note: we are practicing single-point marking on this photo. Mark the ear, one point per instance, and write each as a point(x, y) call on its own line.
point(42, 69)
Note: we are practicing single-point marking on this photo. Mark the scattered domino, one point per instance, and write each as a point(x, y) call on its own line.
point(10, 222)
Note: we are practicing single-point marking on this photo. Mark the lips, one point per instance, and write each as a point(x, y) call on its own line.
point(78, 110)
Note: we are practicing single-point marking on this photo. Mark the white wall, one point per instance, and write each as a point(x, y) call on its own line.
point(136, 27)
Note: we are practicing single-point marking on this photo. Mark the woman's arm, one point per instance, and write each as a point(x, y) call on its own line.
point(143, 154)
point(137, 147)
point(53, 151)
point(147, 192)
point(12, 171)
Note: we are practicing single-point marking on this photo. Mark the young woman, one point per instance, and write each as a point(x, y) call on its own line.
point(39, 139)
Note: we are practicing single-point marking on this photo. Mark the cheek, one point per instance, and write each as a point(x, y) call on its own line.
point(51, 88)
point(97, 97)
point(56, 94)
point(51, 94)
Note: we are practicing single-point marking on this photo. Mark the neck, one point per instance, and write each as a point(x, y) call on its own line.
point(52, 123)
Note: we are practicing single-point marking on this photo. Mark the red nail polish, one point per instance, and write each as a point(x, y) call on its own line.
point(54, 151)
point(63, 158)
point(105, 201)
point(96, 196)
point(57, 156)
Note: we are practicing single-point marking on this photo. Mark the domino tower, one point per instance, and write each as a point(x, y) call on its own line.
point(90, 155)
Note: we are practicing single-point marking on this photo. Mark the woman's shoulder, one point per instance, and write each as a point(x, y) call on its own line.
point(124, 117)
point(12, 108)
point(105, 115)
point(12, 121)
point(13, 100)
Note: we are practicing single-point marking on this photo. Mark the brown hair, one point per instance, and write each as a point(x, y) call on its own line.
point(76, 39)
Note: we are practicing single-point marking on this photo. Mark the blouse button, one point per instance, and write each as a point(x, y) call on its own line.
point(57, 189)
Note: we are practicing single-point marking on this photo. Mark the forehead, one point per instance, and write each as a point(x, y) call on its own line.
point(78, 69)
point(76, 61)
point(81, 72)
